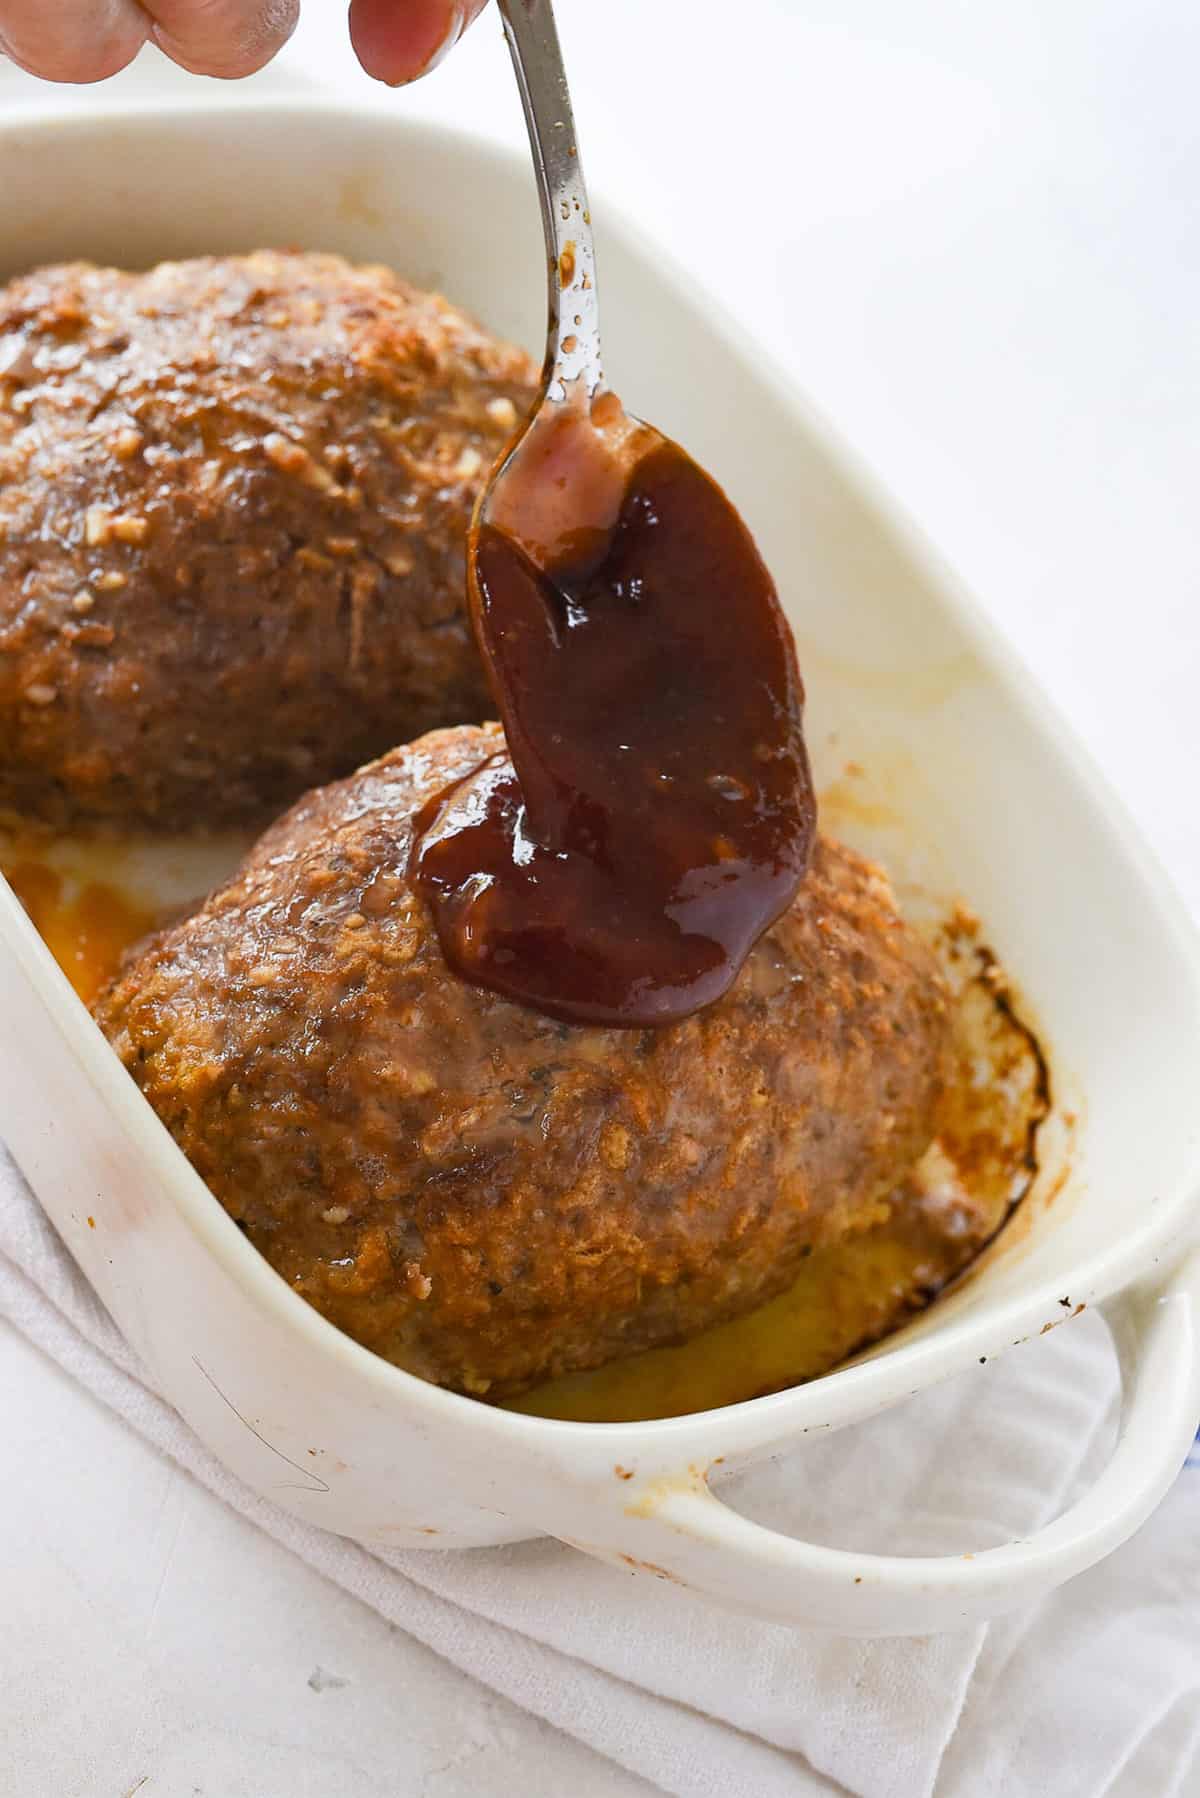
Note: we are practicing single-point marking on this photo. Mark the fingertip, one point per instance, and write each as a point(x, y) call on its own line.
point(396, 45)
point(78, 65)
point(231, 47)
point(232, 65)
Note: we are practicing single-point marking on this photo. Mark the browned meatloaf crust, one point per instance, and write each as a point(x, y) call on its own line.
point(479, 1193)
point(233, 505)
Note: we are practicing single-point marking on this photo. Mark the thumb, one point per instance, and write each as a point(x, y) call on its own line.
point(397, 40)
point(222, 37)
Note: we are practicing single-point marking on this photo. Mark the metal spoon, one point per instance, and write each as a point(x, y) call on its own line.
point(569, 469)
point(573, 342)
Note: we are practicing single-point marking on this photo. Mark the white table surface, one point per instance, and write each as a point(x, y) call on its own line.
point(974, 234)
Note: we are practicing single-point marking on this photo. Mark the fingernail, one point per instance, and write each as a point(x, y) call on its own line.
point(458, 24)
point(454, 30)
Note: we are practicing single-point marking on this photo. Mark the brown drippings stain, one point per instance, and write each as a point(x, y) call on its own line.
point(623, 1473)
point(842, 804)
point(652, 1567)
point(91, 1223)
point(566, 265)
point(1061, 1178)
point(353, 204)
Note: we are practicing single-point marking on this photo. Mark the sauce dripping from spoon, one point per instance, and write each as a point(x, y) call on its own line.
point(654, 813)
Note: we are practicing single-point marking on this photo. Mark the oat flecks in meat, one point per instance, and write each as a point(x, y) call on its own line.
point(256, 475)
point(481, 1194)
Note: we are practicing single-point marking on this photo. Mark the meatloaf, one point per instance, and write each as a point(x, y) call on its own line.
point(234, 495)
point(481, 1194)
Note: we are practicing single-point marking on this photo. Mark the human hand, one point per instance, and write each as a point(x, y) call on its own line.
point(88, 40)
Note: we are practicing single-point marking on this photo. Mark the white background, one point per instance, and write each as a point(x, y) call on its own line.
point(973, 233)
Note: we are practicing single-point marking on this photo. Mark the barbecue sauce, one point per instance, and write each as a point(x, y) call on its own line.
point(654, 813)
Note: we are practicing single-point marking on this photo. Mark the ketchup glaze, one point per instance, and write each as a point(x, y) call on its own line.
point(654, 813)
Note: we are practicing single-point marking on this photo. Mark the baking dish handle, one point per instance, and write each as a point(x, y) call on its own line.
point(686, 1534)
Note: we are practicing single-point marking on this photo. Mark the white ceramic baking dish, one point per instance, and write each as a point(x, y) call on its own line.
point(970, 785)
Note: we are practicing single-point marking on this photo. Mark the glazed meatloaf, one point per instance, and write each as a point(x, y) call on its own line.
point(485, 1196)
point(234, 496)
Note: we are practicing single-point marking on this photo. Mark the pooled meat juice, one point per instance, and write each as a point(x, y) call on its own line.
point(654, 813)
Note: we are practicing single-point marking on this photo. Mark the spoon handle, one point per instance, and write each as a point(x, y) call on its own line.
point(573, 340)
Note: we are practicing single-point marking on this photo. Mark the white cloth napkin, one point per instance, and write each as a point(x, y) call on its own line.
point(1099, 1685)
